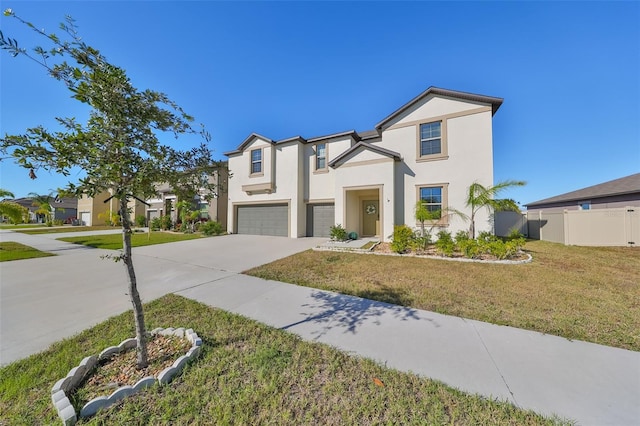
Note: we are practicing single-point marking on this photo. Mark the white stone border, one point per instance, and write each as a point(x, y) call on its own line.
point(77, 375)
point(529, 259)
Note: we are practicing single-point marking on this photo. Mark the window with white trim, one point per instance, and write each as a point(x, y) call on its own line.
point(256, 161)
point(321, 156)
point(430, 139)
point(431, 198)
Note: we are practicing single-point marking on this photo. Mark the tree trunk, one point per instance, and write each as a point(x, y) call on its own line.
point(138, 314)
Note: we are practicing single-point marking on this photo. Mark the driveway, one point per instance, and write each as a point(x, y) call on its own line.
point(47, 299)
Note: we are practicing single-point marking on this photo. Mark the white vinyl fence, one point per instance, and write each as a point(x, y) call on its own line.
point(596, 227)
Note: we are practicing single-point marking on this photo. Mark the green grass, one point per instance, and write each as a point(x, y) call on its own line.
point(57, 230)
point(585, 293)
point(248, 373)
point(114, 241)
point(20, 226)
point(15, 251)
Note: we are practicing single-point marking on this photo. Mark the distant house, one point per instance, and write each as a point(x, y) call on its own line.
point(64, 208)
point(429, 150)
point(95, 210)
point(607, 214)
point(215, 208)
point(623, 192)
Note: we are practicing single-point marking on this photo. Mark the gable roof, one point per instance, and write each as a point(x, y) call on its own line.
point(625, 185)
point(363, 145)
point(247, 141)
point(495, 102)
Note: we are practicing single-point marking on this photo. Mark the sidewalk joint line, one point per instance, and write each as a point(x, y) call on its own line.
point(515, 401)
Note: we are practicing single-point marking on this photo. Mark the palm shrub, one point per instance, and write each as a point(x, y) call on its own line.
point(419, 242)
point(165, 222)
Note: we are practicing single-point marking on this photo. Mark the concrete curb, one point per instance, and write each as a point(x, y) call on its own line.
point(68, 384)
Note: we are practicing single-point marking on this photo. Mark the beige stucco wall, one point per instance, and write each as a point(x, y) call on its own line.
point(470, 158)
point(290, 169)
point(281, 166)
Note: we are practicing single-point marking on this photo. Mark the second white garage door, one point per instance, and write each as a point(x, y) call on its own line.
point(272, 219)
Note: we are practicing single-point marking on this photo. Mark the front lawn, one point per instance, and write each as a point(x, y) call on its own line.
point(114, 241)
point(10, 250)
point(248, 373)
point(68, 228)
point(585, 293)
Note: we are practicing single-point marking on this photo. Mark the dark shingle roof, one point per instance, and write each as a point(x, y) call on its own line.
point(363, 145)
point(624, 185)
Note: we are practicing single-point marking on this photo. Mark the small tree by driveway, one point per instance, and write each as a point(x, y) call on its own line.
point(117, 148)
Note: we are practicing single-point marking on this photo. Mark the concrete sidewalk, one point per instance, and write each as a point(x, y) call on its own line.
point(588, 383)
point(44, 300)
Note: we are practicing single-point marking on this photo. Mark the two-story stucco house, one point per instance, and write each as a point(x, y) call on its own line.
point(430, 149)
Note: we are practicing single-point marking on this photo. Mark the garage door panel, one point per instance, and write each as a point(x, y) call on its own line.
point(263, 220)
point(322, 219)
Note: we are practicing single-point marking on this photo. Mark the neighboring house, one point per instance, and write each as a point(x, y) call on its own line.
point(623, 192)
point(607, 214)
point(65, 208)
point(95, 210)
point(213, 209)
point(430, 149)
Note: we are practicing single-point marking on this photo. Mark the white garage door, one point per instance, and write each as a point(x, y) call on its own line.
point(270, 219)
point(85, 218)
point(320, 219)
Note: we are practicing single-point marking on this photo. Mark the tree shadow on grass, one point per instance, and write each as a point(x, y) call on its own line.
point(348, 313)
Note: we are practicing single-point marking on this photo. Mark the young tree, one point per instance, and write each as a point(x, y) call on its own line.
point(434, 217)
point(480, 197)
point(14, 211)
point(118, 147)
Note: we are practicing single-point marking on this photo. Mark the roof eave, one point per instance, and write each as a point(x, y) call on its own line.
point(495, 102)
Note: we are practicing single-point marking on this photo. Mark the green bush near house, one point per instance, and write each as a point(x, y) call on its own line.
point(156, 224)
point(211, 228)
point(402, 238)
point(338, 233)
point(141, 221)
point(445, 244)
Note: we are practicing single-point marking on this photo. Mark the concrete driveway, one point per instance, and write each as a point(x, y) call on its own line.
point(47, 299)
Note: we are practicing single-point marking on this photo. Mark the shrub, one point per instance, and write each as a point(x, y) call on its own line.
point(402, 236)
point(445, 244)
point(514, 234)
point(58, 222)
point(165, 222)
point(141, 221)
point(156, 224)
point(419, 242)
point(469, 248)
point(338, 233)
point(462, 236)
point(498, 249)
point(211, 228)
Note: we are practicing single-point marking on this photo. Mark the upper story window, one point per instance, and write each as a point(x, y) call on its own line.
point(256, 161)
point(430, 139)
point(585, 205)
point(321, 156)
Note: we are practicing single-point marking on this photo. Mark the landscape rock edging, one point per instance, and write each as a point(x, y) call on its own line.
point(68, 384)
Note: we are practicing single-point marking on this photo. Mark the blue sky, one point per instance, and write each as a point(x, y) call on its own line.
point(569, 73)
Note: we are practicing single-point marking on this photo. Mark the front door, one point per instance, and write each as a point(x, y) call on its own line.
point(370, 217)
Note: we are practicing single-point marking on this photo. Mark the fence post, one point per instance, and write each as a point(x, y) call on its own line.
point(565, 221)
point(540, 224)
